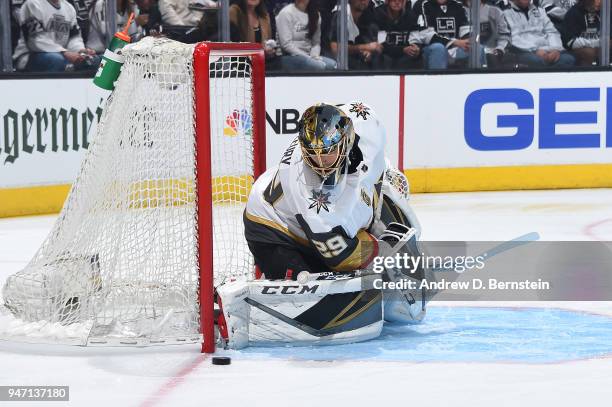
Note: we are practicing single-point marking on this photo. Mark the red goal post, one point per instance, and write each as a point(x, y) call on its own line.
point(201, 60)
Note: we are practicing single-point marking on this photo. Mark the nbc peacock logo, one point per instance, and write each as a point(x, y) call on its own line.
point(239, 122)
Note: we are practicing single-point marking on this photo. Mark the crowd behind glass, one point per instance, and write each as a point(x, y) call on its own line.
point(303, 35)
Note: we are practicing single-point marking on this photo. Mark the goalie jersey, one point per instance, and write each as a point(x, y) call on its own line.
point(290, 205)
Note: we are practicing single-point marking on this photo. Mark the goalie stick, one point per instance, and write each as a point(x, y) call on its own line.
point(305, 277)
point(395, 236)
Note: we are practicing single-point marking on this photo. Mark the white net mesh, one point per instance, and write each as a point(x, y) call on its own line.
point(231, 161)
point(120, 265)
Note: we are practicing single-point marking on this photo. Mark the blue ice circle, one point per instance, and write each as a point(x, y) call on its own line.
point(471, 334)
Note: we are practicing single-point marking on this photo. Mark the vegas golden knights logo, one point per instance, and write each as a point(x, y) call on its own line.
point(319, 200)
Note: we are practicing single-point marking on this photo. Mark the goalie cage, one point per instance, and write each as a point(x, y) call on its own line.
point(154, 220)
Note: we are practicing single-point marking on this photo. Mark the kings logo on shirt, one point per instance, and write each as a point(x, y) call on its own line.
point(59, 25)
point(445, 26)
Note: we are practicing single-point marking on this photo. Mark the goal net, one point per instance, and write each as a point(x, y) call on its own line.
point(154, 219)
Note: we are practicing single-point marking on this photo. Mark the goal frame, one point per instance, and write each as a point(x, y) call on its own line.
point(204, 192)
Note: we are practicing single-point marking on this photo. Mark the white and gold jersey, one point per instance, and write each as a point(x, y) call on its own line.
point(293, 200)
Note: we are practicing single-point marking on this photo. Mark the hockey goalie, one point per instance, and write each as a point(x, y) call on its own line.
point(315, 225)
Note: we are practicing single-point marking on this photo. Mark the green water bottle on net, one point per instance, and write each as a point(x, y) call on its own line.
point(112, 61)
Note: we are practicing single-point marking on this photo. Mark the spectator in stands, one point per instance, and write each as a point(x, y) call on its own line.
point(250, 22)
point(501, 4)
point(532, 37)
point(581, 31)
point(52, 36)
point(299, 34)
point(148, 16)
point(98, 40)
point(490, 19)
point(395, 21)
point(444, 32)
point(82, 8)
point(183, 12)
point(365, 52)
point(555, 10)
point(274, 7)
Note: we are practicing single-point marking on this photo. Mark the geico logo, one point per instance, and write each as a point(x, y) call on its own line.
point(285, 121)
point(548, 115)
point(289, 289)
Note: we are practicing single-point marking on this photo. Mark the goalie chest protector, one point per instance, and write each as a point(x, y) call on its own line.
point(293, 188)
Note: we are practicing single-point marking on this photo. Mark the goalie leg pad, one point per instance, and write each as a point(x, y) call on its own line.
point(318, 312)
point(235, 312)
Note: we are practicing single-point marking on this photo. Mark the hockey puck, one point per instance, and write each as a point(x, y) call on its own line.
point(221, 360)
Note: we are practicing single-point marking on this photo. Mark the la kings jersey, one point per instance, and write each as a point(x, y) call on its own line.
point(581, 28)
point(440, 23)
point(82, 8)
point(50, 28)
point(291, 200)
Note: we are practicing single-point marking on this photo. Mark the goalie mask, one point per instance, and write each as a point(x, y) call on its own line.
point(326, 137)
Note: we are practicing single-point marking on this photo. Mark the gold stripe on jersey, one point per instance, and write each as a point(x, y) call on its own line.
point(276, 226)
point(366, 249)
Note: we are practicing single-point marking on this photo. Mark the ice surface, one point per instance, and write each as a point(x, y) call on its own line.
point(531, 354)
point(471, 334)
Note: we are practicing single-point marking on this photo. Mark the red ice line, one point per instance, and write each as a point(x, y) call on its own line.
point(589, 230)
point(174, 382)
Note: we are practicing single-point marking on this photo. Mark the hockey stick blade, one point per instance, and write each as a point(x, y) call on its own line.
point(501, 248)
point(395, 237)
point(305, 277)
